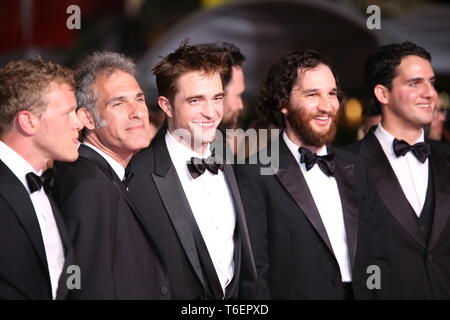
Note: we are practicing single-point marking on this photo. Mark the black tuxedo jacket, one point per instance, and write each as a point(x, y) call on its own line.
point(157, 191)
point(291, 247)
point(111, 242)
point(422, 270)
point(23, 264)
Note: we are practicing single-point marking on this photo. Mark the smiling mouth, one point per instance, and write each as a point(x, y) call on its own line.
point(207, 124)
point(322, 119)
point(134, 128)
point(425, 106)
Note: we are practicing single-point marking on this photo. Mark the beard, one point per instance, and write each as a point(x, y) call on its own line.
point(300, 120)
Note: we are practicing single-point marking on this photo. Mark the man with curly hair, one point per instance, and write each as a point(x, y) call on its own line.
point(314, 223)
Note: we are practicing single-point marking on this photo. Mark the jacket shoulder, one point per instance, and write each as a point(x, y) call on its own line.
point(143, 160)
point(354, 147)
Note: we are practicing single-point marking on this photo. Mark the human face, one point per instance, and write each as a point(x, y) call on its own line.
point(121, 106)
point(232, 102)
point(197, 107)
point(58, 128)
point(312, 113)
point(412, 99)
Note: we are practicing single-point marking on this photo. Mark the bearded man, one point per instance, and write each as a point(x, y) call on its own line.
point(314, 224)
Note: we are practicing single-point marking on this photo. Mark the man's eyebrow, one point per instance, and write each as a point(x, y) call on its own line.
point(195, 97)
point(315, 90)
point(415, 79)
point(119, 98)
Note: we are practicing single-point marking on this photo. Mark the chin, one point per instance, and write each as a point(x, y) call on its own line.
point(69, 157)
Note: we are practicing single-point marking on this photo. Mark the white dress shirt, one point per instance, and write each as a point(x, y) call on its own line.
point(54, 251)
point(115, 165)
point(326, 196)
point(212, 205)
point(411, 173)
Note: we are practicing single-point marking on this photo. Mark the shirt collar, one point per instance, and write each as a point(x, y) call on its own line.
point(386, 139)
point(294, 147)
point(115, 165)
point(18, 165)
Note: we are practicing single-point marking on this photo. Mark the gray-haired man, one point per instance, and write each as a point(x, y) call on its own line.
point(112, 244)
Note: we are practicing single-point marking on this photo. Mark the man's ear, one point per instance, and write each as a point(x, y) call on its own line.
point(86, 118)
point(283, 110)
point(381, 93)
point(27, 122)
point(166, 106)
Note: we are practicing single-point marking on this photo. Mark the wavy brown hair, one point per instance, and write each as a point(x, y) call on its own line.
point(187, 58)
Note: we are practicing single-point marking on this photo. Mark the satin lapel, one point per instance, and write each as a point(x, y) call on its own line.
point(345, 178)
point(98, 161)
point(243, 240)
point(19, 200)
point(174, 199)
point(68, 251)
point(389, 188)
point(62, 229)
point(291, 177)
point(440, 168)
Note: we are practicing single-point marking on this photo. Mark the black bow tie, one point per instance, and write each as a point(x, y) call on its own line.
point(46, 180)
point(309, 158)
point(420, 150)
point(198, 166)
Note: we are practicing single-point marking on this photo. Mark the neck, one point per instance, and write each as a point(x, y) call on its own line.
point(122, 157)
point(193, 144)
point(297, 139)
point(24, 147)
point(402, 130)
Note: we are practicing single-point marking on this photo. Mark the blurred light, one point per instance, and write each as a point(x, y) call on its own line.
point(445, 100)
point(353, 113)
point(133, 7)
point(212, 3)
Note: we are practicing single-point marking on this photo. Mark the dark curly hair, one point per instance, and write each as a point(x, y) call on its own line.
point(381, 66)
point(282, 76)
point(184, 59)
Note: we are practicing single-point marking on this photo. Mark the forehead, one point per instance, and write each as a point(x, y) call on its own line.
point(316, 78)
point(117, 82)
point(60, 94)
point(414, 67)
point(195, 83)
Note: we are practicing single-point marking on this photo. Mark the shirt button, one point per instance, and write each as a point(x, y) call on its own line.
point(164, 290)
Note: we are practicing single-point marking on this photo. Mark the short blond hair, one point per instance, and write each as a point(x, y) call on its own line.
point(23, 84)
